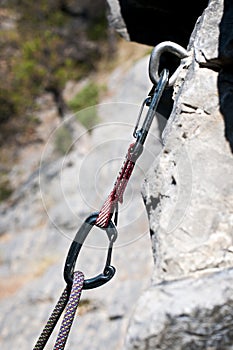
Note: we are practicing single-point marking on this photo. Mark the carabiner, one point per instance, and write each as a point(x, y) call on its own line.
point(147, 102)
point(76, 246)
point(152, 102)
point(166, 46)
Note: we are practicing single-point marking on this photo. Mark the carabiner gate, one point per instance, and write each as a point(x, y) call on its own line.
point(76, 246)
point(152, 101)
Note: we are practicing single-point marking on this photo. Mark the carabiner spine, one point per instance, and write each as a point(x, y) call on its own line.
point(74, 250)
point(162, 83)
point(76, 246)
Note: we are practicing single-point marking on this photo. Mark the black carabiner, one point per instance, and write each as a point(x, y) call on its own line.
point(76, 246)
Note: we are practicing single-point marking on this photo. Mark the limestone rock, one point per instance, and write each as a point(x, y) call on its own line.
point(115, 19)
point(185, 315)
point(189, 196)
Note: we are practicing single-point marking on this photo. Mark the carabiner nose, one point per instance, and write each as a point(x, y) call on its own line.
point(76, 246)
point(166, 46)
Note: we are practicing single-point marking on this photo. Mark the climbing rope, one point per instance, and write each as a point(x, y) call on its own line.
point(70, 297)
point(71, 300)
point(70, 310)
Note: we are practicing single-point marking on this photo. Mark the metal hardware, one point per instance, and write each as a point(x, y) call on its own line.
point(166, 46)
point(152, 101)
point(144, 103)
point(75, 279)
point(76, 246)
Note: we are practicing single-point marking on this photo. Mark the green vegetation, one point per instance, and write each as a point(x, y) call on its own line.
point(5, 187)
point(44, 50)
point(87, 97)
point(63, 140)
point(97, 29)
point(84, 103)
point(88, 117)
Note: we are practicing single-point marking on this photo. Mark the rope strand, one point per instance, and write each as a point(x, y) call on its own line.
point(70, 301)
point(52, 321)
point(70, 311)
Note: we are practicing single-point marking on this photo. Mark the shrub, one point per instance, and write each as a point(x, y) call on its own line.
point(63, 140)
point(84, 103)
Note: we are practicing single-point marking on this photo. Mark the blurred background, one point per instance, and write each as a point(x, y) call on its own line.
point(71, 89)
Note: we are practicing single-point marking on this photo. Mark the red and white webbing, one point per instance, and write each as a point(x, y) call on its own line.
point(117, 193)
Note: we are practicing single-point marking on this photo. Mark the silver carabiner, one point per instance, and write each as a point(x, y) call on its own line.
point(166, 46)
point(152, 102)
point(147, 101)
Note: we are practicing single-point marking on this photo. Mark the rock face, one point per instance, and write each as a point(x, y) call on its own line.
point(189, 196)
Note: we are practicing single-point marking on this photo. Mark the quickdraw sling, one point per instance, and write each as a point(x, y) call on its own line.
point(103, 219)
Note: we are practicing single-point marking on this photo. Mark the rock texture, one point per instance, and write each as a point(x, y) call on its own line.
point(189, 196)
point(192, 313)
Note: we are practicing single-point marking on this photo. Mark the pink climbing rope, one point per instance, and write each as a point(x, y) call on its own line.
point(70, 311)
point(70, 301)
